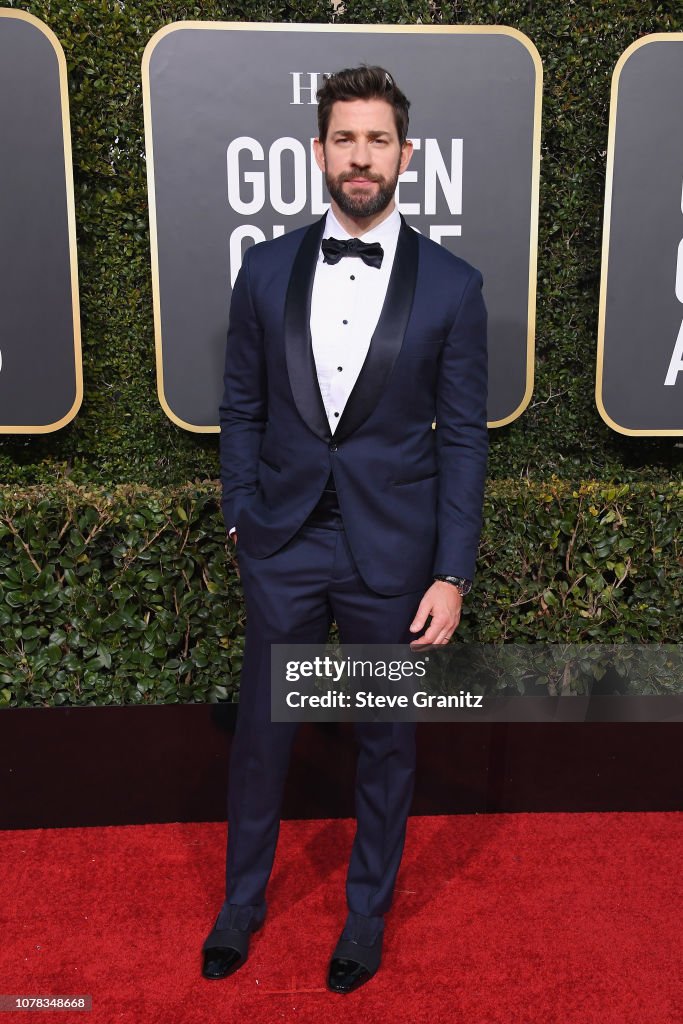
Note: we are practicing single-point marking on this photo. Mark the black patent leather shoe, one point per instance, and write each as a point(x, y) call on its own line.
point(353, 964)
point(227, 949)
point(221, 963)
point(347, 975)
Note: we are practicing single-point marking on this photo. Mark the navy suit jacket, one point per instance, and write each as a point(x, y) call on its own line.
point(410, 496)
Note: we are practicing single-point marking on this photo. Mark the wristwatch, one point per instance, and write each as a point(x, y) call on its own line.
point(462, 585)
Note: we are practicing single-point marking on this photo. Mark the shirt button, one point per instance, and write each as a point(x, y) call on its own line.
point(353, 277)
point(340, 368)
point(336, 414)
point(345, 321)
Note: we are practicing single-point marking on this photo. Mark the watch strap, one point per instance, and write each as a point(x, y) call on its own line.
point(460, 583)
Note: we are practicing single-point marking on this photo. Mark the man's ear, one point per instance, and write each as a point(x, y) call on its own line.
point(406, 155)
point(319, 153)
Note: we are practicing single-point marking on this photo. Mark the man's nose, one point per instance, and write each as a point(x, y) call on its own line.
point(362, 154)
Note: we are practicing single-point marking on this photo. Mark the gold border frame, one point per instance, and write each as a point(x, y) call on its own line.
point(657, 37)
point(389, 29)
point(71, 225)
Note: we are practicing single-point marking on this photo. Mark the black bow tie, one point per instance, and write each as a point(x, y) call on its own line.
point(371, 253)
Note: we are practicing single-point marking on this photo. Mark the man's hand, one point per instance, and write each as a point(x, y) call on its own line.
point(443, 602)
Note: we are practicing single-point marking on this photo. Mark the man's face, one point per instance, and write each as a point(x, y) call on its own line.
point(361, 157)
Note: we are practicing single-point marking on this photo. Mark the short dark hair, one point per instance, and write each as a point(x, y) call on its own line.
point(362, 83)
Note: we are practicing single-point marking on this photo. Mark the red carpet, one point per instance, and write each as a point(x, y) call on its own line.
point(499, 919)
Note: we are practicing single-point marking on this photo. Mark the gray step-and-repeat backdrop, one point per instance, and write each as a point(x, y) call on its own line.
point(41, 383)
point(639, 386)
point(230, 114)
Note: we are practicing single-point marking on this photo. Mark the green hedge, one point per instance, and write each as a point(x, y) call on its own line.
point(131, 595)
point(115, 592)
point(121, 434)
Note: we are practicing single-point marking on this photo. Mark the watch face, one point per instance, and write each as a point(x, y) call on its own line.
point(463, 585)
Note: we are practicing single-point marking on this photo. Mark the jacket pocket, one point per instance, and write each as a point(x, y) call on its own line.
point(416, 480)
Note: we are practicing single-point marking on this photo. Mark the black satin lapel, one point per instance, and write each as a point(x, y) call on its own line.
point(303, 378)
point(388, 337)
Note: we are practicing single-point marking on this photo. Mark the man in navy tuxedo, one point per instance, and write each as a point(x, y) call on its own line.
point(347, 340)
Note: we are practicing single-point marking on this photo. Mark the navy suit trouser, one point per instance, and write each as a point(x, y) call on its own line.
point(292, 597)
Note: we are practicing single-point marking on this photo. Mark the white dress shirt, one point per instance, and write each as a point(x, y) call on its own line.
point(346, 304)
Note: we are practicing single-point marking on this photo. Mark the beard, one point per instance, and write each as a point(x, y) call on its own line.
point(361, 204)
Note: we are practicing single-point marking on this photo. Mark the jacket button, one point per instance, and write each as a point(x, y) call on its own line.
point(333, 447)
